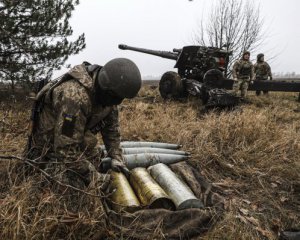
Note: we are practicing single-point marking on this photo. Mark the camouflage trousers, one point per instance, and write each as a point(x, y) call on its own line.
point(241, 84)
point(258, 91)
point(74, 181)
point(81, 173)
point(70, 181)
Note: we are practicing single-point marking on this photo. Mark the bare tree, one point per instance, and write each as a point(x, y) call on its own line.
point(233, 25)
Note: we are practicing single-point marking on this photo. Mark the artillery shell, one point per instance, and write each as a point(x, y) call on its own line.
point(143, 160)
point(128, 144)
point(178, 191)
point(127, 151)
point(123, 198)
point(148, 159)
point(148, 191)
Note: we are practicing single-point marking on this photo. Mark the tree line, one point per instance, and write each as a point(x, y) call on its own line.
point(34, 38)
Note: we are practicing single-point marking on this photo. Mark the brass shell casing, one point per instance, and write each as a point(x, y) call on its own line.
point(179, 192)
point(148, 191)
point(123, 198)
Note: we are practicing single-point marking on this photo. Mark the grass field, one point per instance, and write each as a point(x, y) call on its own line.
point(251, 154)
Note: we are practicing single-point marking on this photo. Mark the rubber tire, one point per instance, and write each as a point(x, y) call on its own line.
point(170, 85)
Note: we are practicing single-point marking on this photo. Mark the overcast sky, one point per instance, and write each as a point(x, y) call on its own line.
point(168, 24)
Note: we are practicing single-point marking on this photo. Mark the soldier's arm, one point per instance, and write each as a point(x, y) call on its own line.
point(255, 70)
point(71, 104)
point(110, 132)
point(252, 74)
point(235, 69)
point(269, 71)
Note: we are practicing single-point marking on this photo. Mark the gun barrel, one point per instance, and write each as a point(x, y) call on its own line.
point(178, 50)
point(163, 54)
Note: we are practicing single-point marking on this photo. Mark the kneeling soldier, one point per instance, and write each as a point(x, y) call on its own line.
point(73, 110)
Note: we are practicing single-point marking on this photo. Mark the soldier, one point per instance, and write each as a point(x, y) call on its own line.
point(243, 74)
point(73, 110)
point(262, 71)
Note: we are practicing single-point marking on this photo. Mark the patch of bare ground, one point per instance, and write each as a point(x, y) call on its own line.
point(250, 154)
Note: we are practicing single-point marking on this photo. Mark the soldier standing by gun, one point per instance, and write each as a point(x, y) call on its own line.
point(243, 74)
point(72, 111)
point(262, 71)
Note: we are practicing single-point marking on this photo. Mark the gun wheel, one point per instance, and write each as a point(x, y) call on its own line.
point(170, 85)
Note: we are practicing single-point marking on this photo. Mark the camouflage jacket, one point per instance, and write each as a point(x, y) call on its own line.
point(262, 70)
point(70, 119)
point(243, 69)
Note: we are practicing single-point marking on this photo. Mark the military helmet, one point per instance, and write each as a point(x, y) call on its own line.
point(259, 56)
point(120, 76)
point(246, 52)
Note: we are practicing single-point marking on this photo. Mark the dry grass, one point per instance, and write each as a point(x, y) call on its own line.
point(251, 154)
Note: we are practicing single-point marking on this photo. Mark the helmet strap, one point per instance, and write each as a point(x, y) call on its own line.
point(105, 97)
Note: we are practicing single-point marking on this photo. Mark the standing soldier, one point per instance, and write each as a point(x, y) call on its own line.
point(262, 71)
point(72, 111)
point(243, 74)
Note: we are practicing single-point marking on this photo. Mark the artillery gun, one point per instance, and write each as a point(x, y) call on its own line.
point(200, 73)
point(192, 63)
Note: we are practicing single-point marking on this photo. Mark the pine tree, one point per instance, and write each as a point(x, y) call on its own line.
point(34, 38)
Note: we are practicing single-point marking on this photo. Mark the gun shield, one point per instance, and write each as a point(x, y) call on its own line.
point(148, 191)
point(179, 192)
point(123, 197)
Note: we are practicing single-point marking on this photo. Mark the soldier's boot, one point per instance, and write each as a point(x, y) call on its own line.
point(244, 88)
point(257, 93)
point(266, 93)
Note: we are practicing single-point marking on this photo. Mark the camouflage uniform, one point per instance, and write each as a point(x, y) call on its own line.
point(262, 71)
point(65, 133)
point(242, 71)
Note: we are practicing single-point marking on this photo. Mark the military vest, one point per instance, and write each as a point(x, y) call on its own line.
point(261, 70)
point(244, 70)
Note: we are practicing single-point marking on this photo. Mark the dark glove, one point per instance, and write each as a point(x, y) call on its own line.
point(271, 78)
point(119, 166)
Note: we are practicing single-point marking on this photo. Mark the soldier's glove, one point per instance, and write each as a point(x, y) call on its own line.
point(119, 166)
point(271, 78)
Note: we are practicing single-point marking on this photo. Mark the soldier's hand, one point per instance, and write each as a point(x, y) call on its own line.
point(235, 79)
point(271, 78)
point(119, 166)
point(251, 82)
